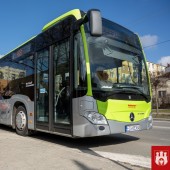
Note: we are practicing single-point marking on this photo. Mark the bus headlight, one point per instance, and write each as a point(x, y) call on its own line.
point(95, 118)
point(150, 121)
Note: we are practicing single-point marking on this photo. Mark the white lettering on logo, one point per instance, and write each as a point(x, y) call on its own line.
point(29, 84)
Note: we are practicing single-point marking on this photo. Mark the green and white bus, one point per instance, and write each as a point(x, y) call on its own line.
point(82, 76)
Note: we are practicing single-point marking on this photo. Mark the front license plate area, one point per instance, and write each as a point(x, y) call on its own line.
point(132, 128)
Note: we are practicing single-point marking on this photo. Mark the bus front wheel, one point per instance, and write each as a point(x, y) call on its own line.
point(21, 122)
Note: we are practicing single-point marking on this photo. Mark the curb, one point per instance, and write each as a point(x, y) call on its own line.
point(162, 119)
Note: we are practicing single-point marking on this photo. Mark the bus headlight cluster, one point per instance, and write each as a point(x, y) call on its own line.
point(150, 121)
point(95, 118)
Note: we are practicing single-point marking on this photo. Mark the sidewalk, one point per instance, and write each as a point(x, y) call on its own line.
point(29, 153)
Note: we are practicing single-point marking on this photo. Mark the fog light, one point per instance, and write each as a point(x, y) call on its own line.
point(95, 118)
point(101, 128)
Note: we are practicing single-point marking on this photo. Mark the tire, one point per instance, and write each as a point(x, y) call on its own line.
point(21, 121)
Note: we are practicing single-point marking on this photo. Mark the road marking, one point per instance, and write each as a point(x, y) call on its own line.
point(161, 127)
point(136, 160)
point(165, 140)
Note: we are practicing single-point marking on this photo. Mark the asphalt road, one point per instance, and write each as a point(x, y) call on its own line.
point(138, 143)
point(133, 148)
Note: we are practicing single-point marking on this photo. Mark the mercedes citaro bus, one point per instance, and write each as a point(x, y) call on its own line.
point(82, 76)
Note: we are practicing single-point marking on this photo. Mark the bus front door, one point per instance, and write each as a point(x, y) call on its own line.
point(53, 103)
point(62, 102)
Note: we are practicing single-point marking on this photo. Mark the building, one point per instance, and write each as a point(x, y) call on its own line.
point(155, 69)
point(160, 74)
point(167, 69)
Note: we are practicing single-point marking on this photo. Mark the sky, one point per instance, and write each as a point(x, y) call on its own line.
point(150, 19)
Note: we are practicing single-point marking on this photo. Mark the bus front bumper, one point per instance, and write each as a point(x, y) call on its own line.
point(124, 127)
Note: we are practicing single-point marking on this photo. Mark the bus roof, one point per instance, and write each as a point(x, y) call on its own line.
point(75, 12)
point(19, 46)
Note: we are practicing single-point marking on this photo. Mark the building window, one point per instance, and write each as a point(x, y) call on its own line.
point(153, 66)
point(162, 94)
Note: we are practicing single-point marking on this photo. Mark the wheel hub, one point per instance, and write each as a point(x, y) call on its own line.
point(21, 120)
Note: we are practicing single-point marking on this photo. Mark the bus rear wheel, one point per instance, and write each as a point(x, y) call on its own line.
point(21, 122)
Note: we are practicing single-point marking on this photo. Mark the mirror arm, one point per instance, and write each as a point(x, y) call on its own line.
point(77, 24)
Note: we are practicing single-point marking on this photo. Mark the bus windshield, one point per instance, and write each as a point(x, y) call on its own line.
point(117, 63)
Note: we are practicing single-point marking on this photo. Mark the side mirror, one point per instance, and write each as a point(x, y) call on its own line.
point(94, 18)
point(95, 21)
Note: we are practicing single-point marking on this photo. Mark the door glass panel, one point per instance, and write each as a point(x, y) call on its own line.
point(42, 86)
point(61, 83)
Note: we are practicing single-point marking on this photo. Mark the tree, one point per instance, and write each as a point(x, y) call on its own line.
point(157, 83)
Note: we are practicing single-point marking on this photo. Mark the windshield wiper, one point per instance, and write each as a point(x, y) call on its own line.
point(132, 89)
point(136, 89)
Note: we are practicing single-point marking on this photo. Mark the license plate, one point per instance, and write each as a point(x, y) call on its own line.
point(131, 128)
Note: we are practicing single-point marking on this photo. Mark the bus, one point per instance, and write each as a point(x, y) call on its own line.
point(82, 76)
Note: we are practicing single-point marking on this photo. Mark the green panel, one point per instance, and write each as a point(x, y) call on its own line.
point(120, 110)
point(89, 91)
point(76, 13)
